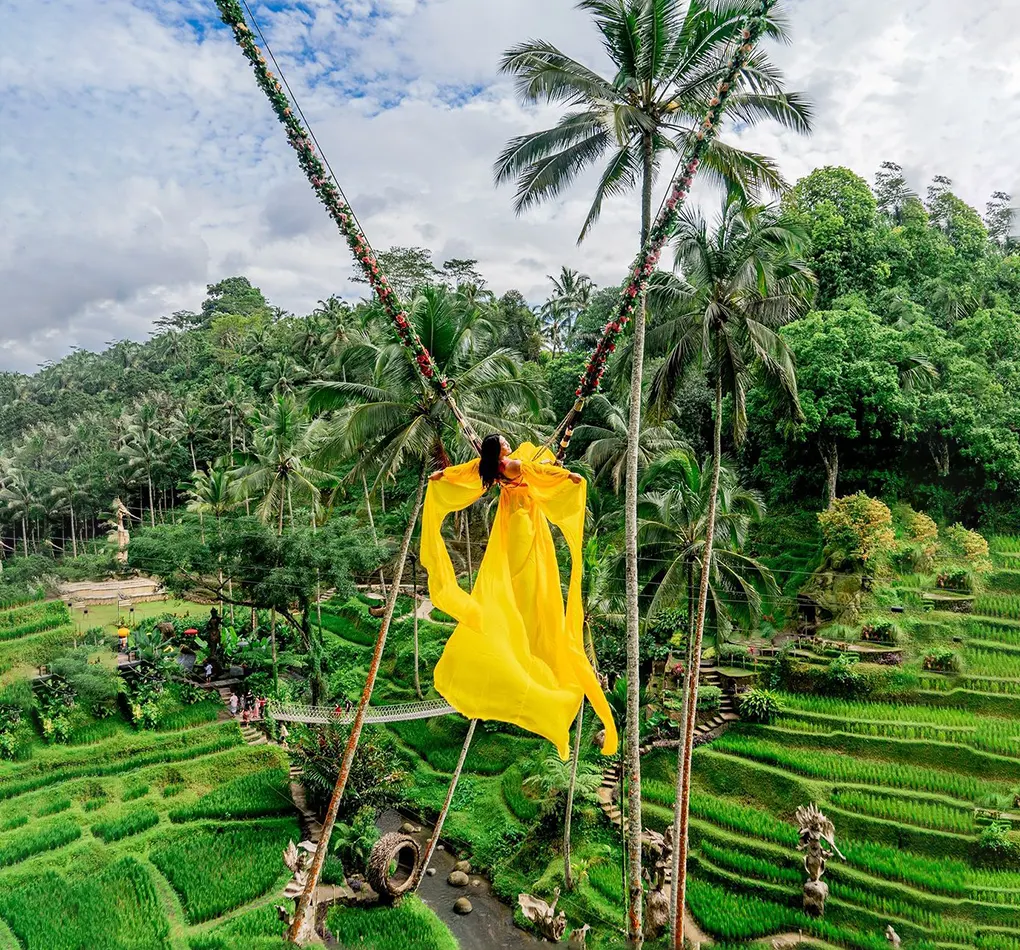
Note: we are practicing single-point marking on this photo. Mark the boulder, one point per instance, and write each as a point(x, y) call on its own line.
point(408, 829)
point(462, 906)
point(458, 879)
point(464, 866)
point(431, 872)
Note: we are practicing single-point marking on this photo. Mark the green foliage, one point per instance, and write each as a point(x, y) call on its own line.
point(116, 907)
point(131, 822)
point(997, 848)
point(353, 842)
point(840, 768)
point(250, 796)
point(409, 924)
point(857, 530)
point(709, 698)
point(215, 870)
point(908, 810)
point(942, 660)
point(760, 705)
point(843, 678)
point(19, 845)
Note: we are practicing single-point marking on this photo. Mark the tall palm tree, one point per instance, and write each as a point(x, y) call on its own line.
point(668, 58)
point(395, 419)
point(674, 512)
point(606, 454)
point(278, 466)
point(19, 499)
point(743, 279)
point(232, 398)
point(572, 292)
point(62, 498)
point(188, 422)
point(144, 450)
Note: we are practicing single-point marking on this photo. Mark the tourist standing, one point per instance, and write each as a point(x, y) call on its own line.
point(233, 704)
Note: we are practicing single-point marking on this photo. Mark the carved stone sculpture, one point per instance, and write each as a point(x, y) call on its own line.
point(893, 937)
point(816, 831)
point(120, 535)
point(579, 938)
point(660, 849)
point(543, 915)
point(298, 860)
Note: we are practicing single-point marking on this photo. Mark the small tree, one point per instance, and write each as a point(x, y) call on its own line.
point(857, 531)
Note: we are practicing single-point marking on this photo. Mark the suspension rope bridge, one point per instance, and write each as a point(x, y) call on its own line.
point(323, 715)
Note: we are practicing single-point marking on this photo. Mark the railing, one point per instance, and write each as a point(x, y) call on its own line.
point(321, 715)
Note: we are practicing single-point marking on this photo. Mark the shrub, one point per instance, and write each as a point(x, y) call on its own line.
point(969, 546)
point(760, 705)
point(941, 660)
point(881, 631)
point(129, 823)
point(996, 848)
point(137, 791)
point(856, 530)
point(955, 579)
point(709, 698)
point(353, 842)
point(843, 678)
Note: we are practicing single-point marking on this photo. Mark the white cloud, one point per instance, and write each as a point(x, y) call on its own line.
point(139, 161)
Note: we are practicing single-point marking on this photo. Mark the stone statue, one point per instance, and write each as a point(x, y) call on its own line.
point(579, 938)
point(212, 633)
point(120, 535)
point(660, 848)
point(298, 859)
point(543, 915)
point(893, 937)
point(816, 831)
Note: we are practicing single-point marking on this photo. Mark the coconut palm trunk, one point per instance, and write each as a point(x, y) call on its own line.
point(152, 510)
point(24, 534)
point(568, 876)
point(301, 927)
point(682, 813)
point(633, 754)
point(74, 532)
point(414, 623)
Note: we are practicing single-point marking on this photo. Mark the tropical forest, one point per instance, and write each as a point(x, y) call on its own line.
point(681, 612)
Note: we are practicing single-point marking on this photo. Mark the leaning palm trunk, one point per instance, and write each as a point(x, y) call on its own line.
point(306, 906)
point(633, 766)
point(430, 848)
point(74, 533)
point(684, 716)
point(568, 877)
point(414, 623)
point(681, 815)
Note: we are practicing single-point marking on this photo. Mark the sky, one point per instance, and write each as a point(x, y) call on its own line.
point(139, 161)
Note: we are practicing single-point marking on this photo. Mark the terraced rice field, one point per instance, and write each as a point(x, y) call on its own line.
point(165, 840)
point(902, 782)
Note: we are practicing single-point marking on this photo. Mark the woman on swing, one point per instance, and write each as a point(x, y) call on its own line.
point(517, 653)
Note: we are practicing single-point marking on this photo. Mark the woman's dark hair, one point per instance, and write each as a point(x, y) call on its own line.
point(488, 466)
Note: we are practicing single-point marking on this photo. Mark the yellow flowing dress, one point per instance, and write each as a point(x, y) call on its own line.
point(516, 654)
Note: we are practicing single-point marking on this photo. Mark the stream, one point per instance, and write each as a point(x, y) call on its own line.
point(490, 926)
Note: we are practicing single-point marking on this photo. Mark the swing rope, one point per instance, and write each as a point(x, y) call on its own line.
point(327, 189)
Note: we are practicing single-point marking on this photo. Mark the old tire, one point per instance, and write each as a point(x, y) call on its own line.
point(400, 852)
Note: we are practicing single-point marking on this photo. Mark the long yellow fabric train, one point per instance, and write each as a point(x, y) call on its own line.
point(516, 655)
